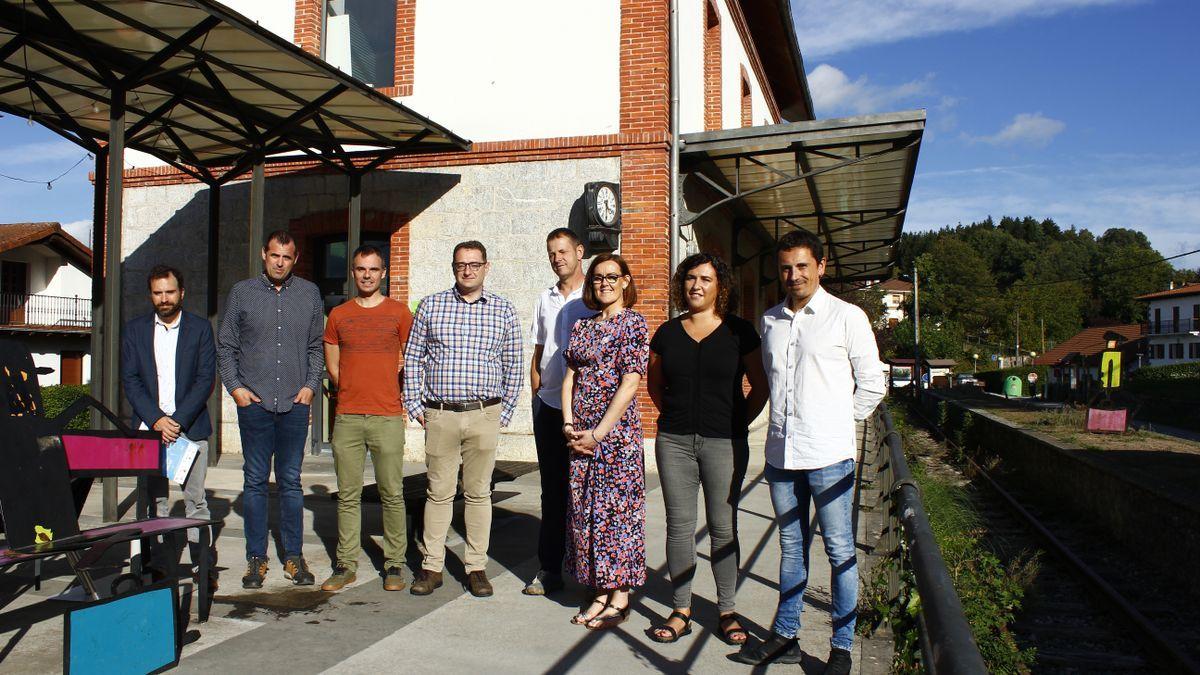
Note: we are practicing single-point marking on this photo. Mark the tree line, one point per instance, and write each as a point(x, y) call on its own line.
point(986, 284)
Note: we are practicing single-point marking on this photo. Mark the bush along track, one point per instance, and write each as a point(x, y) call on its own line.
point(1089, 606)
point(991, 588)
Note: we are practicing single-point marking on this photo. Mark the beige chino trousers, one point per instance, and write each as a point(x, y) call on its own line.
point(452, 439)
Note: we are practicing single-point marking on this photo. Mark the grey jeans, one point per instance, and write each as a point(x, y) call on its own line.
point(685, 464)
point(195, 502)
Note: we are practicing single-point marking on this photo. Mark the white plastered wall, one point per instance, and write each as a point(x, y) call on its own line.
point(277, 16)
point(733, 58)
point(494, 71)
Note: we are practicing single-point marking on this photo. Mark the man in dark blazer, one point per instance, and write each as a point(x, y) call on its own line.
point(168, 367)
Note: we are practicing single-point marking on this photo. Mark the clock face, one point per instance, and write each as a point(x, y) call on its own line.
point(606, 205)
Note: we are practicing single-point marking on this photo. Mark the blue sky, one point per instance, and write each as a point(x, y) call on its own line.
point(1079, 110)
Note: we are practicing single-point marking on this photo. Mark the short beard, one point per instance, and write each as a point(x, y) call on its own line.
point(164, 314)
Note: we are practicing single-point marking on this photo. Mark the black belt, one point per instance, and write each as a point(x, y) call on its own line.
point(463, 407)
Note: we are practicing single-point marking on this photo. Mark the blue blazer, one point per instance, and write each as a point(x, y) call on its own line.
point(195, 373)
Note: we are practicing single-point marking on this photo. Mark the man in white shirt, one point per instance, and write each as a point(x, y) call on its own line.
point(823, 368)
point(168, 367)
point(557, 310)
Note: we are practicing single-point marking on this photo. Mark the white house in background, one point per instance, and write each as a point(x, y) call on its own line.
point(1173, 317)
point(45, 298)
point(894, 293)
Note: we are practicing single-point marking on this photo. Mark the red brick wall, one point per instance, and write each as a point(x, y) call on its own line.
point(646, 171)
point(747, 101)
point(712, 67)
point(308, 25)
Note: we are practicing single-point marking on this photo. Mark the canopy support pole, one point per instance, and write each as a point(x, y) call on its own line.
point(213, 291)
point(354, 227)
point(112, 276)
point(255, 245)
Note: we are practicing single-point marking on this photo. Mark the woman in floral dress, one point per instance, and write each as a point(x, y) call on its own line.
point(606, 359)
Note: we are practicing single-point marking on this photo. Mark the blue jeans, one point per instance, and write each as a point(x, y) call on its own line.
point(266, 435)
point(832, 489)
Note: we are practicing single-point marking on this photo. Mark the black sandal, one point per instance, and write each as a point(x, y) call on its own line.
point(582, 618)
point(600, 622)
point(675, 635)
point(728, 631)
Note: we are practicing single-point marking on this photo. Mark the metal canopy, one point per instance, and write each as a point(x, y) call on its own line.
point(847, 180)
point(202, 87)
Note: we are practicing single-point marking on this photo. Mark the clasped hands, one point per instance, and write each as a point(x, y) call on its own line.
point(169, 429)
point(581, 441)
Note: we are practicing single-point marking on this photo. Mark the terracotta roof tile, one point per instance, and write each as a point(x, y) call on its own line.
point(898, 285)
point(1088, 342)
point(1186, 289)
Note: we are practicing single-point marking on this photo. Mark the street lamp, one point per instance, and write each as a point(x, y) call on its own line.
point(975, 363)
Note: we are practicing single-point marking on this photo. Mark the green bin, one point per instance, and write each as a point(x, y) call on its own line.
point(1012, 386)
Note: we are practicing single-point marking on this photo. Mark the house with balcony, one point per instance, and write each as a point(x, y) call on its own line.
point(895, 295)
point(1173, 317)
point(45, 298)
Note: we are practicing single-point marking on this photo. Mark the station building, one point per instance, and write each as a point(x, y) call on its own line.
point(553, 96)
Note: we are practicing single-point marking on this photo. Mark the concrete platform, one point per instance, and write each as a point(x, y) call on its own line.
point(284, 629)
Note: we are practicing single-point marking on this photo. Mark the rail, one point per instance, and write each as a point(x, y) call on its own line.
point(947, 643)
point(20, 309)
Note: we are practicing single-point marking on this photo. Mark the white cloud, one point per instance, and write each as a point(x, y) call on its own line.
point(81, 230)
point(1157, 195)
point(833, 92)
point(42, 152)
point(826, 27)
point(1033, 129)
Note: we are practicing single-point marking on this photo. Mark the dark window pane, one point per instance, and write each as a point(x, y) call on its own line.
point(360, 38)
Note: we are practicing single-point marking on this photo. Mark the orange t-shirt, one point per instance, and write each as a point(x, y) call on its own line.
point(370, 344)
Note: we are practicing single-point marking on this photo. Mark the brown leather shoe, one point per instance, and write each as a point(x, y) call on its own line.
point(393, 579)
point(426, 582)
point(478, 584)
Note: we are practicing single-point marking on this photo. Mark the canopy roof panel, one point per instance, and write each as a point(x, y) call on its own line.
point(204, 86)
point(847, 180)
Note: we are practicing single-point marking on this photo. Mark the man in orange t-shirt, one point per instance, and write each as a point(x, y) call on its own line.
point(364, 346)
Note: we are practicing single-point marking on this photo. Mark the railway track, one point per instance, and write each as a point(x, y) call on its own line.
point(1091, 608)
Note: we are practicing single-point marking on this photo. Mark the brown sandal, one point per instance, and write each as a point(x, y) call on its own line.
point(600, 622)
point(729, 632)
point(582, 618)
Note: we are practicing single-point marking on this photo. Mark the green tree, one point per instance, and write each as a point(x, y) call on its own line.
point(957, 285)
point(939, 340)
point(1125, 269)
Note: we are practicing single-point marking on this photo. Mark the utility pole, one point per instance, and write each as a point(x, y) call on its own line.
point(1018, 361)
point(1042, 319)
point(917, 331)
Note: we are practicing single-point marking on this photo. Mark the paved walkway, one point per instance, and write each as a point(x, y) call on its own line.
point(283, 629)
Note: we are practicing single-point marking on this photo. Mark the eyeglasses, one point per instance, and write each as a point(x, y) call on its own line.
point(473, 266)
point(611, 279)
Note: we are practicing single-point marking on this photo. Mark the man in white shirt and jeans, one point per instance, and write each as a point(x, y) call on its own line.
point(824, 373)
point(558, 308)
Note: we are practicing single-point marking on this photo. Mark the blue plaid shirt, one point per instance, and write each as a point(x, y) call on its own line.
point(462, 351)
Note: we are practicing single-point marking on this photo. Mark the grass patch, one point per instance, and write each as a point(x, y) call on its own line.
point(990, 590)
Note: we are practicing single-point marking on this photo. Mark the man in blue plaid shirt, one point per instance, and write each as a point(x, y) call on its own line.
point(462, 374)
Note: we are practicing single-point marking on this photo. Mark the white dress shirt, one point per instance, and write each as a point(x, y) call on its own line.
point(553, 318)
point(823, 369)
point(166, 338)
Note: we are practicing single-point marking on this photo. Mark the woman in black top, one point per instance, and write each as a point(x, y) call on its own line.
point(697, 362)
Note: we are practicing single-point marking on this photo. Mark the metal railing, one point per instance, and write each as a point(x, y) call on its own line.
point(1169, 326)
point(947, 644)
point(17, 309)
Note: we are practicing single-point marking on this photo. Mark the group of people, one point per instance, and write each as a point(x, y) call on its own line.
point(456, 366)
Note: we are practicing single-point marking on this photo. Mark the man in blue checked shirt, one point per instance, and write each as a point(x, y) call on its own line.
point(271, 358)
point(462, 375)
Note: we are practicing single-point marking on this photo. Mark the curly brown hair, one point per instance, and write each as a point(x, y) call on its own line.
point(726, 297)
